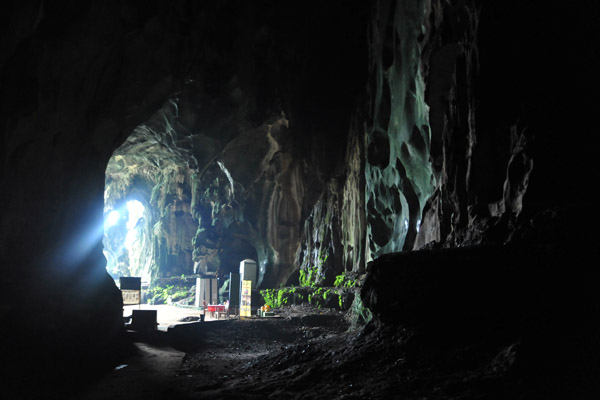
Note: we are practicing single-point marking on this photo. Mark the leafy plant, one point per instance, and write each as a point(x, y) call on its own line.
point(277, 298)
point(344, 281)
point(178, 295)
point(159, 295)
point(323, 258)
point(308, 276)
point(268, 296)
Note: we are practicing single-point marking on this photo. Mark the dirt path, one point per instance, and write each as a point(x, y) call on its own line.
point(215, 360)
point(145, 375)
point(224, 364)
point(308, 353)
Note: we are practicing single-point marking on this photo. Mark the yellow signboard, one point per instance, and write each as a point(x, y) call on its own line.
point(245, 309)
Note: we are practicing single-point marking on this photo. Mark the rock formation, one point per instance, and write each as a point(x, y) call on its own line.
point(304, 135)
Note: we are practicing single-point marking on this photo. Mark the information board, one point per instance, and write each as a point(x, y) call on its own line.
point(245, 309)
point(131, 289)
point(130, 297)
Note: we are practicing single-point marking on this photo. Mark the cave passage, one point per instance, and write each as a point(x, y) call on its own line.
point(125, 257)
point(147, 181)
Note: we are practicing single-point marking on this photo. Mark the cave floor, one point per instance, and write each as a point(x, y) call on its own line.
point(146, 374)
point(307, 353)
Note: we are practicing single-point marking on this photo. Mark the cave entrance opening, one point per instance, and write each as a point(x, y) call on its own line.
point(125, 240)
point(135, 234)
point(188, 221)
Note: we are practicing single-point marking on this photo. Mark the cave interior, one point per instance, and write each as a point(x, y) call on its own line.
point(439, 154)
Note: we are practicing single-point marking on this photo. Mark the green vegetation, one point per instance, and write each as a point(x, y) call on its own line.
point(342, 281)
point(321, 297)
point(277, 298)
point(159, 295)
point(318, 296)
point(310, 292)
point(308, 277)
point(360, 315)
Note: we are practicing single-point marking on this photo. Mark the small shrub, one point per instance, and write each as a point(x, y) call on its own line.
point(343, 281)
point(277, 298)
point(308, 276)
point(159, 295)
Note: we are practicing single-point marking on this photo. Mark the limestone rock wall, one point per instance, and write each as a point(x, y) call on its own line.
point(503, 145)
point(174, 227)
point(243, 151)
point(399, 176)
point(277, 131)
point(481, 166)
point(454, 147)
point(321, 245)
point(352, 216)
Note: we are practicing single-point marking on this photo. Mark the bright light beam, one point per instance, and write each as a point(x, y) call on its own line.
point(112, 219)
point(136, 211)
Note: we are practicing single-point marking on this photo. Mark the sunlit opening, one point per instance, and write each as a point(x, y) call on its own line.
point(125, 241)
point(136, 212)
point(112, 219)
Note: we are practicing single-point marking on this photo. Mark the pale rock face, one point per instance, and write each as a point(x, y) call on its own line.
point(399, 176)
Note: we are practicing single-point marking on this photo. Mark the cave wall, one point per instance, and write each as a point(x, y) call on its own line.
point(398, 172)
point(312, 134)
point(506, 110)
point(468, 126)
point(401, 182)
point(480, 156)
point(254, 147)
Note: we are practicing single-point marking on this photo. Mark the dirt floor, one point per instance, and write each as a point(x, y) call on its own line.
point(304, 352)
point(221, 359)
point(310, 353)
point(254, 358)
